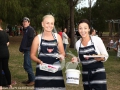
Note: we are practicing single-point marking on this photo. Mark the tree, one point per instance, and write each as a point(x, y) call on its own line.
point(72, 32)
point(58, 9)
point(10, 10)
point(105, 10)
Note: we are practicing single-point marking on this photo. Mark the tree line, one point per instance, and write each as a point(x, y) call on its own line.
point(65, 12)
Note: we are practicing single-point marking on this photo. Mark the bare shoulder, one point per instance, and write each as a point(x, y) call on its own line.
point(36, 39)
point(57, 36)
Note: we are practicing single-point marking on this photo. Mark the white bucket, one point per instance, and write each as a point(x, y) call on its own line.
point(72, 76)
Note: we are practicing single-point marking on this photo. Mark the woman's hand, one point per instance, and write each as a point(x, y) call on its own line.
point(74, 59)
point(86, 58)
point(61, 57)
point(40, 62)
point(99, 58)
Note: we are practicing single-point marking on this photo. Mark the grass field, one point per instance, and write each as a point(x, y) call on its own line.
point(112, 66)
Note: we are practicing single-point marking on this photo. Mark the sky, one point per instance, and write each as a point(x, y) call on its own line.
point(84, 3)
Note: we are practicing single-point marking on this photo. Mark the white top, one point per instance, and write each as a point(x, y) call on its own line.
point(119, 41)
point(98, 43)
point(65, 38)
point(111, 41)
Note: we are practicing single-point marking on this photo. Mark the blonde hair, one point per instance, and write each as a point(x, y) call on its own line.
point(49, 15)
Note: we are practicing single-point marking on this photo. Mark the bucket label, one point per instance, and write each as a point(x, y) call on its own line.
point(73, 78)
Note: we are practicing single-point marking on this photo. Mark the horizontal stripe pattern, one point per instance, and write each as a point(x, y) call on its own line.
point(96, 82)
point(87, 62)
point(96, 71)
point(48, 54)
point(45, 80)
point(49, 43)
point(48, 78)
point(86, 50)
point(93, 74)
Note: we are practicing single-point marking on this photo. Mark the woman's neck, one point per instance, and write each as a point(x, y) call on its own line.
point(47, 33)
point(84, 39)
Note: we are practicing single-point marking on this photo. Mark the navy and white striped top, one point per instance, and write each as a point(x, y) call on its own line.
point(99, 46)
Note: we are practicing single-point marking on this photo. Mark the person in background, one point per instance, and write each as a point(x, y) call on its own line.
point(111, 43)
point(65, 39)
point(4, 58)
point(25, 46)
point(115, 45)
point(60, 33)
point(93, 32)
point(118, 50)
point(93, 71)
point(108, 46)
point(50, 44)
point(119, 41)
point(77, 34)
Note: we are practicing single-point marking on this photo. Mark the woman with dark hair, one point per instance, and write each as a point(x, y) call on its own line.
point(93, 32)
point(65, 39)
point(93, 71)
point(115, 45)
point(4, 57)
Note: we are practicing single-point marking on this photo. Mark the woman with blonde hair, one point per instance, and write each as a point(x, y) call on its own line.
point(49, 44)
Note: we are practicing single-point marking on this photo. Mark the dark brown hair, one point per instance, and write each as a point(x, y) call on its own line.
point(85, 21)
point(92, 30)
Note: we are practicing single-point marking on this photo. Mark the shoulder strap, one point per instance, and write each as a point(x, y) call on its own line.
point(39, 36)
point(56, 37)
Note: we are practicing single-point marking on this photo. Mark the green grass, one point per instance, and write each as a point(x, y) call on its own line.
point(18, 73)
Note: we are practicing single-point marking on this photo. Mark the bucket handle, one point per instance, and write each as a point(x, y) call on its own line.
point(72, 62)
